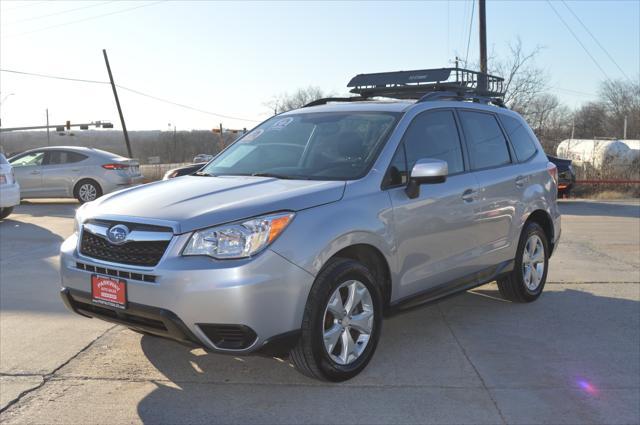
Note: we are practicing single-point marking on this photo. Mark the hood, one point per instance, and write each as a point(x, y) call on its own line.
point(195, 202)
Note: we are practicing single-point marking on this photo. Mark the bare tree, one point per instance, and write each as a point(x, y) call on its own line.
point(288, 101)
point(591, 121)
point(621, 99)
point(523, 81)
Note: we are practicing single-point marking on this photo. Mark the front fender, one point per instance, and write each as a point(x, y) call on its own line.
point(316, 234)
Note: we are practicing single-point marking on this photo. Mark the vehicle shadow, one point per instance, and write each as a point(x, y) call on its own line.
point(608, 209)
point(64, 208)
point(421, 371)
point(33, 248)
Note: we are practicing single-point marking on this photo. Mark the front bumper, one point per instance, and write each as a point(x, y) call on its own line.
point(184, 296)
point(9, 195)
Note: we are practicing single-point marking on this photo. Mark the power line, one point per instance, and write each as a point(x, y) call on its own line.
point(574, 92)
point(473, 8)
point(55, 77)
point(595, 39)
point(578, 40)
point(182, 105)
point(86, 19)
point(33, 18)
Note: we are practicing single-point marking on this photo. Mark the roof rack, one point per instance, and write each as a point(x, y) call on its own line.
point(425, 85)
point(325, 100)
point(416, 84)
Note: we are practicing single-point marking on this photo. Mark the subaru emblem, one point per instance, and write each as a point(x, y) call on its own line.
point(117, 234)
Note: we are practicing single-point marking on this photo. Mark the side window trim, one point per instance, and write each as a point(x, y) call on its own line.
point(47, 158)
point(466, 160)
point(508, 143)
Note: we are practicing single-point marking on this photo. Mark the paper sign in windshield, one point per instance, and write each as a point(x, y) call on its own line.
point(253, 135)
point(280, 124)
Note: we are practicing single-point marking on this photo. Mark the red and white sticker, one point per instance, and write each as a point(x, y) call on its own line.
point(109, 291)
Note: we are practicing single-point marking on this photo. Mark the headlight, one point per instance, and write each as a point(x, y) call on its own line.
point(238, 240)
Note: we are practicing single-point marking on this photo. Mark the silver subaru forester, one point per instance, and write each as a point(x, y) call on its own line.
point(299, 237)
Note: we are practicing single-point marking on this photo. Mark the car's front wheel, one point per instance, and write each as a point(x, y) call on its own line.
point(341, 324)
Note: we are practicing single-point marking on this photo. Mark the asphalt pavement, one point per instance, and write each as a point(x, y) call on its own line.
point(571, 357)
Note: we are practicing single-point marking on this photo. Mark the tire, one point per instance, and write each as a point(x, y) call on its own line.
point(4, 212)
point(311, 356)
point(526, 282)
point(87, 190)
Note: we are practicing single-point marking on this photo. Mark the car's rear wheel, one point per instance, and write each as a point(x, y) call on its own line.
point(341, 324)
point(87, 190)
point(526, 282)
point(4, 212)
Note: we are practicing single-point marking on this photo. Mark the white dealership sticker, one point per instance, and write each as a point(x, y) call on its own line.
point(253, 135)
point(280, 124)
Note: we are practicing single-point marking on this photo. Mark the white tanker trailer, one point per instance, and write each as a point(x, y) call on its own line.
point(612, 156)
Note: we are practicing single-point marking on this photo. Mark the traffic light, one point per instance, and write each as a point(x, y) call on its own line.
point(68, 125)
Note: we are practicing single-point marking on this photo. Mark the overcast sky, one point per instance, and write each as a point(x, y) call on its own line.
point(231, 58)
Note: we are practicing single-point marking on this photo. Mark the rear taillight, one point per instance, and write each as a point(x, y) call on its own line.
point(3, 179)
point(553, 171)
point(115, 166)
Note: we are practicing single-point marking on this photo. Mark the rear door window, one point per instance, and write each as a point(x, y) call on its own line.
point(64, 157)
point(486, 144)
point(520, 137)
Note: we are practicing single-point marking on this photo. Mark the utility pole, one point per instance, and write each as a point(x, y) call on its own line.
point(48, 136)
point(482, 80)
point(624, 133)
point(573, 128)
point(115, 94)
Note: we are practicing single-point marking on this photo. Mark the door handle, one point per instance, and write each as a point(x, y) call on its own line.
point(35, 172)
point(75, 169)
point(521, 181)
point(469, 195)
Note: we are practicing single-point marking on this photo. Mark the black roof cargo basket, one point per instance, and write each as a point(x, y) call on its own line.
point(425, 85)
point(416, 84)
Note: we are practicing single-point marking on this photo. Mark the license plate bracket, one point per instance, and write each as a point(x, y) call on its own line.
point(109, 291)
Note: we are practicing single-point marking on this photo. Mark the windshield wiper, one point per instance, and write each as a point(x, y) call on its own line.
point(278, 176)
point(202, 173)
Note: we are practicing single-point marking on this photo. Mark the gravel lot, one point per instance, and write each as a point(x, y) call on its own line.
point(571, 357)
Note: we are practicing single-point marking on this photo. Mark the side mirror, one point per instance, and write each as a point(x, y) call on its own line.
point(426, 171)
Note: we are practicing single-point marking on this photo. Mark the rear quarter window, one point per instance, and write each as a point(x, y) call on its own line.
point(520, 137)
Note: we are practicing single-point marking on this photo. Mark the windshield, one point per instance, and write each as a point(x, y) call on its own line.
point(317, 146)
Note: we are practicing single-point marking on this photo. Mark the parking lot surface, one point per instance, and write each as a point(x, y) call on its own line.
point(571, 357)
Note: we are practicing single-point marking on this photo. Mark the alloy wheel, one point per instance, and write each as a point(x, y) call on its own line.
point(533, 263)
point(348, 322)
point(87, 192)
